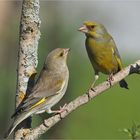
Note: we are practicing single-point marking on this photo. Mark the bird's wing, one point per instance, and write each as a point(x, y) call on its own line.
point(44, 89)
point(49, 84)
point(46, 86)
point(116, 53)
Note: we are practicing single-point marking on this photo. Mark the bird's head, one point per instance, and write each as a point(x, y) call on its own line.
point(93, 29)
point(57, 58)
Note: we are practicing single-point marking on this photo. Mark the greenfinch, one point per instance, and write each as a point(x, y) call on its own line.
point(48, 90)
point(102, 51)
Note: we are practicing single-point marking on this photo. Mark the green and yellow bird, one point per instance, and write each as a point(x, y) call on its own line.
point(102, 51)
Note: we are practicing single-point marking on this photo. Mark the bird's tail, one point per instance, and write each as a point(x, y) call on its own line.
point(17, 121)
point(123, 84)
point(10, 130)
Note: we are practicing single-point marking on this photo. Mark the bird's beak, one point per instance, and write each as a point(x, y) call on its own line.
point(83, 29)
point(66, 51)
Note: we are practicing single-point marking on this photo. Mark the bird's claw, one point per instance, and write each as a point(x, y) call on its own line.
point(93, 89)
point(89, 92)
point(110, 79)
point(62, 109)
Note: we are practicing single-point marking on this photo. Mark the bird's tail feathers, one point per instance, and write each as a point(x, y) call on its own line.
point(17, 121)
point(123, 84)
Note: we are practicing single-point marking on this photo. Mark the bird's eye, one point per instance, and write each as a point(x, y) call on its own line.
point(92, 26)
point(61, 54)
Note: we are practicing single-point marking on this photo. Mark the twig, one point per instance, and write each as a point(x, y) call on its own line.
point(81, 100)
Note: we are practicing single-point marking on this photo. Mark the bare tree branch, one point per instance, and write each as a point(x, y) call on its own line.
point(81, 100)
point(27, 54)
point(27, 63)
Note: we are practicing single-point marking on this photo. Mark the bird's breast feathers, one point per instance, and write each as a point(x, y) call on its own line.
point(101, 57)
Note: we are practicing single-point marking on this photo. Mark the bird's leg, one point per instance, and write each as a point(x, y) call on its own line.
point(92, 86)
point(110, 78)
point(95, 79)
point(62, 109)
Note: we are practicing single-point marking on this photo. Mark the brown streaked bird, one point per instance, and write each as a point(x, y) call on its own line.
point(48, 90)
point(102, 51)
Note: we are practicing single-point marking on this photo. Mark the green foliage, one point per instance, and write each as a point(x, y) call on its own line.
point(133, 132)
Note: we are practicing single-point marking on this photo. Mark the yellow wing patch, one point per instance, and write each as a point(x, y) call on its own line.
point(119, 63)
point(39, 102)
point(118, 59)
point(113, 50)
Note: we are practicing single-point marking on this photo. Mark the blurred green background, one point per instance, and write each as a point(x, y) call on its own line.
point(105, 116)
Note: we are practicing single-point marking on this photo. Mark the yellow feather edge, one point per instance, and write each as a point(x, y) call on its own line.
point(39, 102)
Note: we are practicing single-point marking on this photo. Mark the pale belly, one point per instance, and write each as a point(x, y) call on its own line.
point(50, 102)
